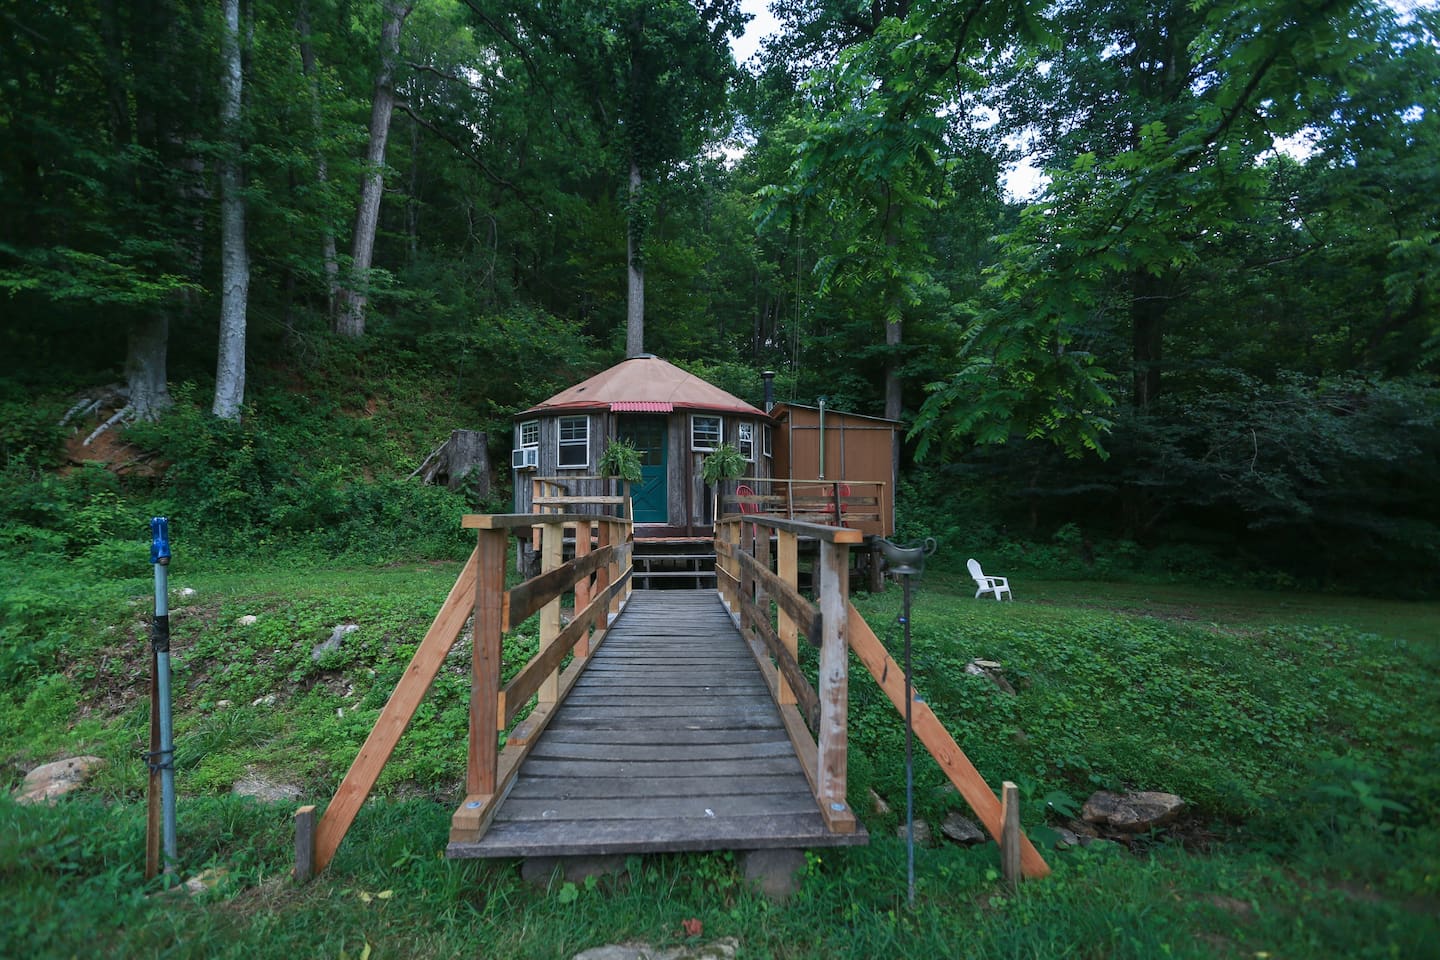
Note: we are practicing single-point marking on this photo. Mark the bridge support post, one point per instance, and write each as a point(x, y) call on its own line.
point(485, 705)
point(552, 554)
point(582, 589)
point(787, 566)
point(834, 686)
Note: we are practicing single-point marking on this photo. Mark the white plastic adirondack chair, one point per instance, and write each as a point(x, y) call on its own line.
point(995, 585)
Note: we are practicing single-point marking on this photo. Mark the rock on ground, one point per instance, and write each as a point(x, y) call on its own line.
point(992, 671)
point(1132, 812)
point(337, 637)
point(923, 836)
point(262, 788)
point(724, 949)
point(962, 829)
point(51, 781)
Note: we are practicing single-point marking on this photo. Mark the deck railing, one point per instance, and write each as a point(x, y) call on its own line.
point(762, 593)
point(566, 494)
point(598, 576)
point(859, 504)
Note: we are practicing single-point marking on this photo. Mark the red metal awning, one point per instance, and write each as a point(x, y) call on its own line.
point(641, 406)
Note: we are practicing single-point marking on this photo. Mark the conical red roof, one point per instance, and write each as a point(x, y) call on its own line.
point(644, 385)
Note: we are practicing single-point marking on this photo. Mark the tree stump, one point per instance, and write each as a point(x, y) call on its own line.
point(462, 460)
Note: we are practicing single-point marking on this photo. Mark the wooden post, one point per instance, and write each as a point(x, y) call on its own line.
point(603, 576)
point(722, 535)
point(787, 548)
point(485, 664)
point(1010, 833)
point(748, 537)
point(552, 554)
point(304, 844)
point(762, 553)
point(582, 588)
point(834, 689)
point(625, 533)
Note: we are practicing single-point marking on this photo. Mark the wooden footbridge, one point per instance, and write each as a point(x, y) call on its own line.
point(672, 720)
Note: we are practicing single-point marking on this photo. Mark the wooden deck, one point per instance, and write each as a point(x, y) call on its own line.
point(669, 741)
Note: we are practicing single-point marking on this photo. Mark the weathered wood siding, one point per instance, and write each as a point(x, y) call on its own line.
point(689, 502)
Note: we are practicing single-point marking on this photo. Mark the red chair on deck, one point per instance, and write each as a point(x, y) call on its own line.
point(743, 490)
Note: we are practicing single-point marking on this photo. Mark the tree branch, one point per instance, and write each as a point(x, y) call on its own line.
point(468, 155)
point(426, 68)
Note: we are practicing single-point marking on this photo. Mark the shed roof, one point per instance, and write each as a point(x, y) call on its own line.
point(644, 383)
point(781, 410)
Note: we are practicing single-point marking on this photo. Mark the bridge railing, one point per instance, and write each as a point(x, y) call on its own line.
point(762, 593)
point(599, 578)
point(815, 716)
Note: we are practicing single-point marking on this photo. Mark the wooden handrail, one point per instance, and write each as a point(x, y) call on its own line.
point(749, 587)
point(524, 521)
point(601, 577)
point(816, 531)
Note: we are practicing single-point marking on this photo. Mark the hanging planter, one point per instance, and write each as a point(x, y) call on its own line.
point(724, 463)
point(621, 460)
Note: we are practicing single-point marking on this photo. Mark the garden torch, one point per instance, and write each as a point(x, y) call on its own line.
point(908, 562)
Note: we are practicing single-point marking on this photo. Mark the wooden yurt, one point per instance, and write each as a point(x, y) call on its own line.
point(672, 417)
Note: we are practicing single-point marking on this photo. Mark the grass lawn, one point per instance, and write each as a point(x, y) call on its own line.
point(1304, 731)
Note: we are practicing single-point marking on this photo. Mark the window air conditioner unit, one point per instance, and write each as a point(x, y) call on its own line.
point(525, 458)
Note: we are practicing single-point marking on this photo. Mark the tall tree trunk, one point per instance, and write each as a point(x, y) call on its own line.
point(412, 199)
point(145, 366)
point(350, 320)
point(147, 344)
point(1147, 325)
point(234, 260)
point(635, 288)
point(322, 168)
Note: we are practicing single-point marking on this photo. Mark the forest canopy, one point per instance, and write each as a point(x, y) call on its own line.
point(1215, 325)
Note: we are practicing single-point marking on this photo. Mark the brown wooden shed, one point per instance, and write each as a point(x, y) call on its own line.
point(859, 452)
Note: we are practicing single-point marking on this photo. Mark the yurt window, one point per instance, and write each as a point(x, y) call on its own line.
point(574, 446)
point(745, 440)
point(705, 432)
point(530, 433)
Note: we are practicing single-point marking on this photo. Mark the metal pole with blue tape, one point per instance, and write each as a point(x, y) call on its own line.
point(162, 731)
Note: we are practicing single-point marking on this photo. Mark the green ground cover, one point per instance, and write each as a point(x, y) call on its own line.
point(1304, 730)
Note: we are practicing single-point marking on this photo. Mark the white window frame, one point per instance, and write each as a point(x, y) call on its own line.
point(562, 443)
point(745, 440)
point(767, 441)
point(533, 428)
point(696, 443)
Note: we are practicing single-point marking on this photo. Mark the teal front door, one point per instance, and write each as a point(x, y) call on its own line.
point(648, 436)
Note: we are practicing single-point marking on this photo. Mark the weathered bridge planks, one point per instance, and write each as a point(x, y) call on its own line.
point(669, 741)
